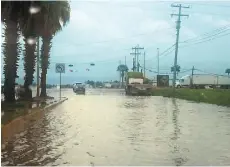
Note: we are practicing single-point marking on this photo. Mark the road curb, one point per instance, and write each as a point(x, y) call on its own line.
point(20, 123)
point(52, 105)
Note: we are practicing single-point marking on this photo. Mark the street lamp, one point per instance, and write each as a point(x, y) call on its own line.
point(34, 10)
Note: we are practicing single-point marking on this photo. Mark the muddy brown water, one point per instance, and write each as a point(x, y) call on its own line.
point(104, 127)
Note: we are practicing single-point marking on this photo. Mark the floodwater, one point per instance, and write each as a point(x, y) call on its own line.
point(104, 127)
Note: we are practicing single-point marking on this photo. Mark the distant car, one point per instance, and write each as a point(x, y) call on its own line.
point(79, 88)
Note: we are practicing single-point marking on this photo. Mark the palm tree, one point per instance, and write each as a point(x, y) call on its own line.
point(30, 28)
point(12, 13)
point(52, 14)
point(227, 71)
point(177, 69)
point(122, 69)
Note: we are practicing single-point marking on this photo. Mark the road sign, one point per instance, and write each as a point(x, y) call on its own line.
point(60, 67)
point(162, 80)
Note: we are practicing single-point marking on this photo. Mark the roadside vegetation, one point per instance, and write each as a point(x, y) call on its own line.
point(18, 22)
point(211, 96)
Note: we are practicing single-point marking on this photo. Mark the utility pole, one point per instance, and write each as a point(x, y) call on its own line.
point(177, 37)
point(38, 62)
point(144, 64)
point(120, 73)
point(125, 60)
point(158, 62)
point(192, 75)
point(134, 61)
point(133, 64)
point(136, 56)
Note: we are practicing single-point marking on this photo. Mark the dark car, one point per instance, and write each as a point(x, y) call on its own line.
point(79, 88)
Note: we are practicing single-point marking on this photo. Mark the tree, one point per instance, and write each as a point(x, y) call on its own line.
point(52, 14)
point(30, 28)
point(177, 69)
point(122, 69)
point(12, 12)
point(91, 83)
point(227, 71)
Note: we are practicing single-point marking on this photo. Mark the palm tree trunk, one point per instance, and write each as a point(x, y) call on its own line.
point(29, 67)
point(11, 52)
point(122, 79)
point(45, 54)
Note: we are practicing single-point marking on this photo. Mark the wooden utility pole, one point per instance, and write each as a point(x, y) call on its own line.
point(177, 37)
point(133, 64)
point(136, 57)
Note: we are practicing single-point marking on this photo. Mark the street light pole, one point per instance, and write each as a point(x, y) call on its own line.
point(33, 10)
point(144, 64)
point(158, 62)
point(38, 60)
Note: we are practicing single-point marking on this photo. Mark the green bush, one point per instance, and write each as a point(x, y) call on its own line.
point(212, 96)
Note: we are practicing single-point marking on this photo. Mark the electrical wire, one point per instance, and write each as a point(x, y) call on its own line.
point(210, 73)
point(208, 4)
point(205, 40)
point(209, 34)
point(116, 39)
point(198, 42)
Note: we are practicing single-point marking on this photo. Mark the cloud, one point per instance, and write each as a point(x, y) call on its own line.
point(215, 21)
point(106, 22)
point(82, 21)
point(188, 33)
point(222, 22)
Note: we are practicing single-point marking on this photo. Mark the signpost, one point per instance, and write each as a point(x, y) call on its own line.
point(60, 68)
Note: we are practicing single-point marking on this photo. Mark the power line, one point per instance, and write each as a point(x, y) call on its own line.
point(116, 39)
point(168, 50)
point(162, 54)
point(217, 14)
point(185, 71)
point(165, 53)
point(199, 42)
point(210, 73)
point(206, 40)
point(208, 35)
point(207, 4)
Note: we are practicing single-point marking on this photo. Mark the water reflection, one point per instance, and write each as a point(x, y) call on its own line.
point(120, 130)
point(178, 156)
point(32, 147)
point(175, 113)
point(134, 120)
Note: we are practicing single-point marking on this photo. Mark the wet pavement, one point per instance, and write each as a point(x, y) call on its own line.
point(105, 127)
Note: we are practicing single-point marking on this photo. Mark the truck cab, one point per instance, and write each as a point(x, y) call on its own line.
point(135, 84)
point(179, 83)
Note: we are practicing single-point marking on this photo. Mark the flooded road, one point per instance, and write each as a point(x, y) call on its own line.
point(105, 127)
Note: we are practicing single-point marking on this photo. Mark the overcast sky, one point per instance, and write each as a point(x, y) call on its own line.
point(103, 32)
